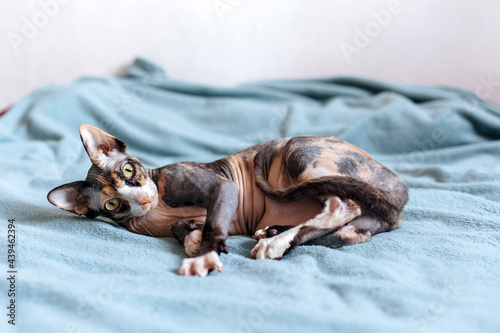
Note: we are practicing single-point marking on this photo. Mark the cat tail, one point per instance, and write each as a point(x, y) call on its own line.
point(388, 206)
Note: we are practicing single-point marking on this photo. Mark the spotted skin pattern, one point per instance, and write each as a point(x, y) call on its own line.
point(310, 190)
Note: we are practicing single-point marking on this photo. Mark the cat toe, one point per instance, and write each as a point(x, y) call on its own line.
point(201, 266)
point(192, 243)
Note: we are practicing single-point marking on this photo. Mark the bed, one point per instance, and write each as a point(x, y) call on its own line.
point(438, 273)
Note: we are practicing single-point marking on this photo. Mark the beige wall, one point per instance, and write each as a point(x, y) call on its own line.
point(446, 42)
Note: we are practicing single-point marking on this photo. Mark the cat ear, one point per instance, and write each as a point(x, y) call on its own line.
point(71, 197)
point(99, 144)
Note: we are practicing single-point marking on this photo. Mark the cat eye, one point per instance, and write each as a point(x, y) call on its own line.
point(112, 204)
point(128, 170)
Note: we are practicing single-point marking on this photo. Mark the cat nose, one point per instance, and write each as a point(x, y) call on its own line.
point(145, 200)
point(145, 203)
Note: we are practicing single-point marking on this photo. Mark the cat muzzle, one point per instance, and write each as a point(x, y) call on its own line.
point(145, 202)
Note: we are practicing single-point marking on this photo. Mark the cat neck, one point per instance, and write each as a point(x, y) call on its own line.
point(158, 221)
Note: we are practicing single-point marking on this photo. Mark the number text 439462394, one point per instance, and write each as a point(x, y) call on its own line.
point(11, 271)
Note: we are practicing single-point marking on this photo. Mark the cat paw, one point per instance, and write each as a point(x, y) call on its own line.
point(269, 232)
point(261, 233)
point(347, 209)
point(192, 243)
point(353, 208)
point(201, 265)
point(270, 248)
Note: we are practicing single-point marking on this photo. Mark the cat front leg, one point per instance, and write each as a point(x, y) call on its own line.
point(198, 185)
point(189, 233)
point(220, 213)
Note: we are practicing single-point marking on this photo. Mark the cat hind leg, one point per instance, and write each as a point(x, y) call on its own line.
point(336, 214)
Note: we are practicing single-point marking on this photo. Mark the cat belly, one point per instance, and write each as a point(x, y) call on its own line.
point(275, 213)
point(290, 213)
point(255, 210)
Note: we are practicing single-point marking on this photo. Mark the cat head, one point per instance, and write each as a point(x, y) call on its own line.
point(117, 186)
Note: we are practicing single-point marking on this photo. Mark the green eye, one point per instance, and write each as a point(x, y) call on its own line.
point(128, 170)
point(112, 204)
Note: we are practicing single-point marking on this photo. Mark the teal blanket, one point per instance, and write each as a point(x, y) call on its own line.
point(438, 273)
